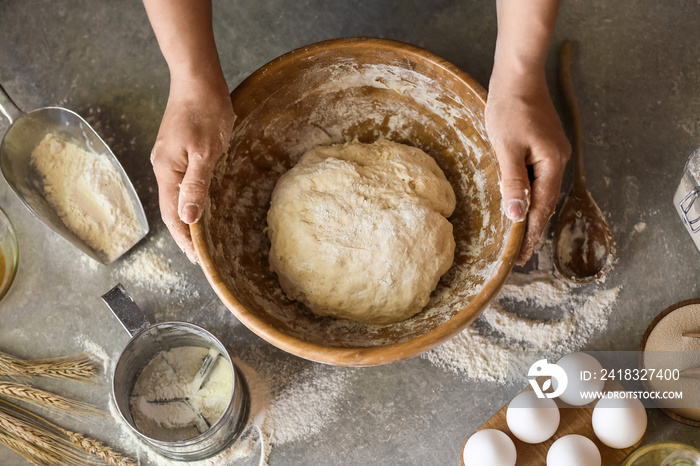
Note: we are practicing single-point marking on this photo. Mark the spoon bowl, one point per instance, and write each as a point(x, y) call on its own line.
point(582, 240)
point(583, 245)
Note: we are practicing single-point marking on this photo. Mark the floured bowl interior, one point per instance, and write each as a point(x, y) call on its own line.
point(333, 92)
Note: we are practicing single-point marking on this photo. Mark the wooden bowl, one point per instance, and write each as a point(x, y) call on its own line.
point(333, 92)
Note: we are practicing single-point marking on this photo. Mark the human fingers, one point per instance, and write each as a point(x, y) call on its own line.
point(195, 184)
point(169, 175)
point(515, 185)
point(545, 193)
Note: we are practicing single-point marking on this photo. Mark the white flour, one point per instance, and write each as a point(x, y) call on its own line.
point(151, 270)
point(640, 227)
point(301, 408)
point(693, 164)
point(148, 268)
point(473, 355)
point(89, 263)
point(172, 375)
point(537, 311)
point(96, 352)
point(88, 195)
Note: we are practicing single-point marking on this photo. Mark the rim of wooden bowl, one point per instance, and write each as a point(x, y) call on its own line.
point(360, 356)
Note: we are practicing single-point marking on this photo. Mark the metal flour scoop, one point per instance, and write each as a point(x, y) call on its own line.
point(25, 132)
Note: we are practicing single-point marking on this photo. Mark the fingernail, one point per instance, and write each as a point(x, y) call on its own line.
point(190, 213)
point(516, 210)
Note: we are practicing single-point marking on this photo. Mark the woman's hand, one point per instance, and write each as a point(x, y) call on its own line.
point(198, 119)
point(193, 134)
point(521, 122)
point(524, 129)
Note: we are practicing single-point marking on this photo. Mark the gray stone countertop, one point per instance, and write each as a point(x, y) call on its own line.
point(637, 76)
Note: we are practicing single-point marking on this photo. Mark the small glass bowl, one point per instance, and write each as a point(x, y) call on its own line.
point(9, 253)
point(663, 454)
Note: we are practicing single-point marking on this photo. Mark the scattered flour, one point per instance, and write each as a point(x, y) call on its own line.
point(150, 270)
point(147, 267)
point(302, 408)
point(96, 351)
point(472, 354)
point(640, 227)
point(89, 263)
point(535, 311)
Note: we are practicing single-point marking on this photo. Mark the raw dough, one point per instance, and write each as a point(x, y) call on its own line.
point(360, 231)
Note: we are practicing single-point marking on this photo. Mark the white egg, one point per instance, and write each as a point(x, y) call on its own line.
point(573, 450)
point(619, 423)
point(489, 447)
point(578, 368)
point(532, 419)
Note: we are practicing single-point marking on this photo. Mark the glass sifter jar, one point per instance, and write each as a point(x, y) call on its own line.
point(686, 196)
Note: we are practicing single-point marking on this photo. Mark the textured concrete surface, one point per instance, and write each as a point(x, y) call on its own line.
point(637, 77)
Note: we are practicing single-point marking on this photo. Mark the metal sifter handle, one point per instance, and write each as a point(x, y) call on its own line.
point(125, 309)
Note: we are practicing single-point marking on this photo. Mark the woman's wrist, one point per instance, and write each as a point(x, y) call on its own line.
point(204, 79)
point(203, 70)
point(514, 81)
point(524, 32)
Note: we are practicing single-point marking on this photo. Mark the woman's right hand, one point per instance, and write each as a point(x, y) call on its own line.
point(521, 121)
point(193, 135)
point(198, 118)
point(524, 129)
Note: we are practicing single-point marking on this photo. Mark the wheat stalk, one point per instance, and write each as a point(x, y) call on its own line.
point(42, 441)
point(25, 431)
point(49, 438)
point(79, 367)
point(28, 451)
point(44, 398)
point(99, 449)
point(33, 395)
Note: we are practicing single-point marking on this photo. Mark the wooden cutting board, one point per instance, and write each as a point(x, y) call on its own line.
point(573, 421)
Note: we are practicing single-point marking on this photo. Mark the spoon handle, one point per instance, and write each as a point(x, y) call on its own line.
point(567, 85)
point(8, 107)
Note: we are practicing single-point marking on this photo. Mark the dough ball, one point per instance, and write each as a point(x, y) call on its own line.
point(359, 231)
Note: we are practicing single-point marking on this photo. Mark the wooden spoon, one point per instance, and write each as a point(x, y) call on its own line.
point(582, 240)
